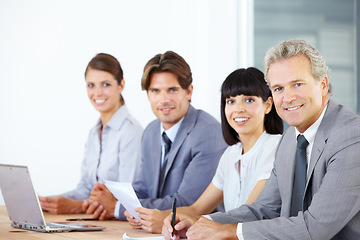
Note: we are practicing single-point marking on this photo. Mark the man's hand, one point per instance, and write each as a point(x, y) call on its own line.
point(101, 203)
point(60, 205)
point(207, 229)
point(132, 221)
point(152, 220)
point(183, 223)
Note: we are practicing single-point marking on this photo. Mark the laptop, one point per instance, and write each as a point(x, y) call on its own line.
point(23, 205)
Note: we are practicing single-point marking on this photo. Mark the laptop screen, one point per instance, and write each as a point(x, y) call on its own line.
point(21, 201)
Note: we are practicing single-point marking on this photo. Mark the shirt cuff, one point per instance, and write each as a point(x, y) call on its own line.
point(207, 216)
point(117, 210)
point(239, 231)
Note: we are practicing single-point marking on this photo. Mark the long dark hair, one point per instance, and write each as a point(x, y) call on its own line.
point(249, 82)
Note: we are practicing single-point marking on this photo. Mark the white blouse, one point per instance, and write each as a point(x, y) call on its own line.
point(256, 165)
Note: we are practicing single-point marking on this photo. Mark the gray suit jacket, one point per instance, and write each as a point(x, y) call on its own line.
point(192, 162)
point(332, 197)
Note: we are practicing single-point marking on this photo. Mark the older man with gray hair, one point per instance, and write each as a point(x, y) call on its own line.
point(314, 189)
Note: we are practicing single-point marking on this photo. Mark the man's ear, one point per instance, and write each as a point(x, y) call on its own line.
point(268, 104)
point(324, 85)
point(190, 91)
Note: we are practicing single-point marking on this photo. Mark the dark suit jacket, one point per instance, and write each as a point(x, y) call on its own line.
point(192, 162)
point(332, 197)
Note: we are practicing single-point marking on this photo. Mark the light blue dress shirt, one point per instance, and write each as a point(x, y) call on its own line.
point(115, 158)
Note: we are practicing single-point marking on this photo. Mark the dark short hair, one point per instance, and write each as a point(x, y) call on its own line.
point(108, 63)
point(167, 62)
point(249, 82)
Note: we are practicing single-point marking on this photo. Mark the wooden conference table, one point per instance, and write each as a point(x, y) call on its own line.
point(114, 229)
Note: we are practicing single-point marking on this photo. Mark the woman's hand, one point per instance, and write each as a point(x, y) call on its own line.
point(101, 203)
point(60, 205)
point(183, 223)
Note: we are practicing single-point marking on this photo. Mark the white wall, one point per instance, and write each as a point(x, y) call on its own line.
point(46, 45)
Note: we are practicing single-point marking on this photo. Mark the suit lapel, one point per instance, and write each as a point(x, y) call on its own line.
point(318, 148)
point(156, 152)
point(288, 154)
point(321, 138)
point(184, 129)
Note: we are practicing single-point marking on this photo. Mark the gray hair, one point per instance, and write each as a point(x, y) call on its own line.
point(287, 49)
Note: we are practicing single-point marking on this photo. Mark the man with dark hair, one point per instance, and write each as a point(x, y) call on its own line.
point(180, 149)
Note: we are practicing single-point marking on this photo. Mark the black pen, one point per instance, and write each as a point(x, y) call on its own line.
point(82, 219)
point(173, 217)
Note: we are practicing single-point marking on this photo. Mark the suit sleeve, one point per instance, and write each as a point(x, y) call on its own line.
point(193, 169)
point(333, 206)
point(192, 185)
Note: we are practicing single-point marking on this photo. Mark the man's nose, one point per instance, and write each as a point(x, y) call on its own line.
point(164, 97)
point(288, 95)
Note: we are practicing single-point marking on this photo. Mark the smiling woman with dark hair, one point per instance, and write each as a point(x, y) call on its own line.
point(252, 128)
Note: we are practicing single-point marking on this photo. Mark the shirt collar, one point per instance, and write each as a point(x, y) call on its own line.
point(244, 157)
point(117, 119)
point(171, 132)
point(310, 133)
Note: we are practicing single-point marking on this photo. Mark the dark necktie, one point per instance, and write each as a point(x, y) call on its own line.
point(166, 151)
point(300, 176)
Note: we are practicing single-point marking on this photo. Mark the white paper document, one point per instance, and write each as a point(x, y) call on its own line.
point(125, 237)
point(125, 194)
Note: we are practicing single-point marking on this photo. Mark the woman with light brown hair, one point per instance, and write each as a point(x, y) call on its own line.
point(112, 151)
